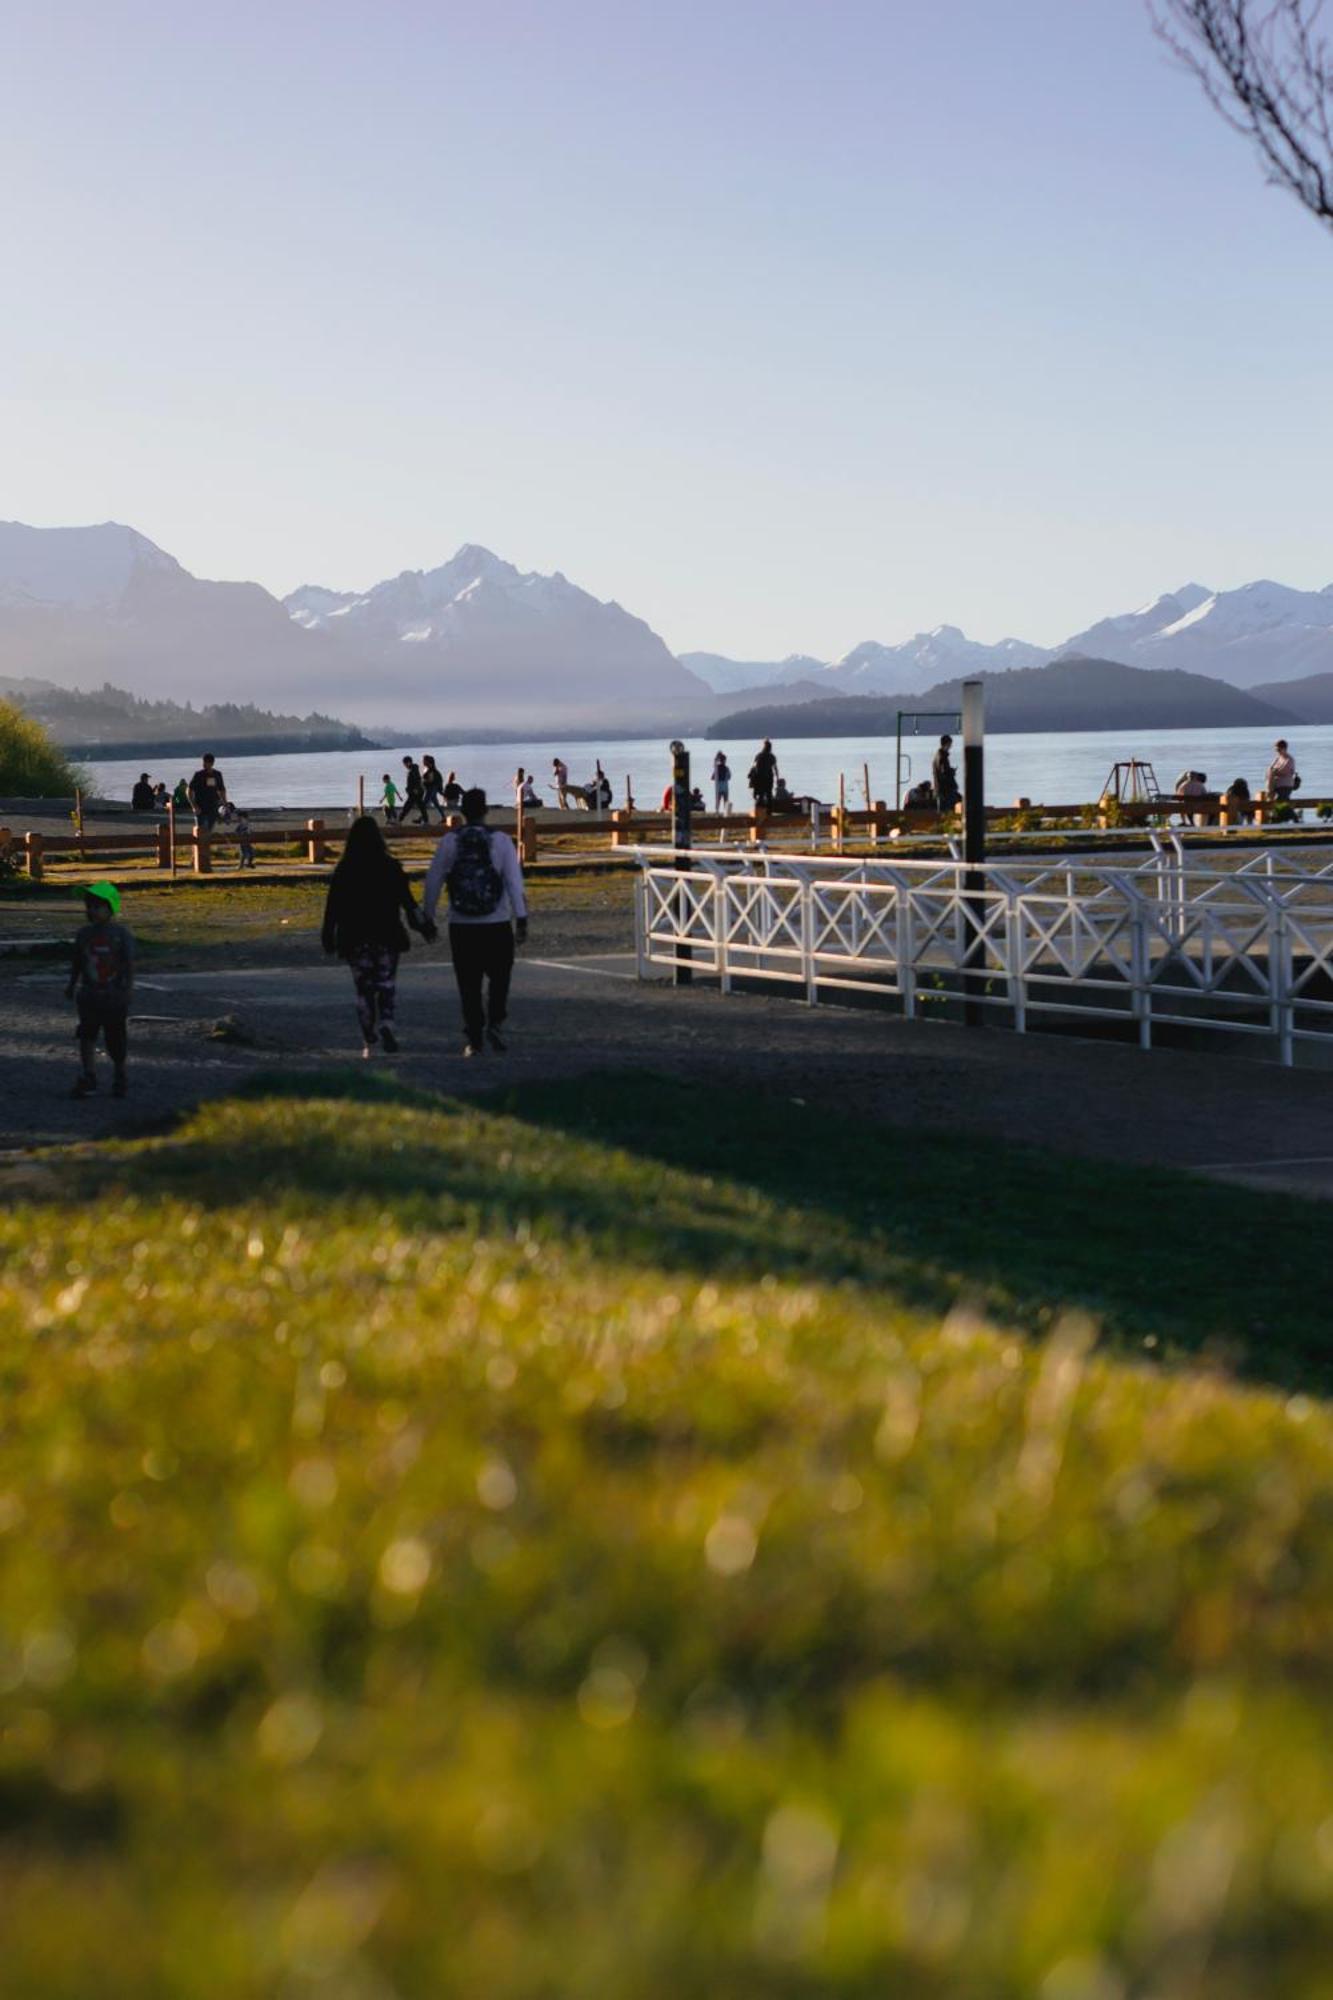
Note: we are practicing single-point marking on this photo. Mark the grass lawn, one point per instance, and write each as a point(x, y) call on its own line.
point(614, 1542)
point(227, 924)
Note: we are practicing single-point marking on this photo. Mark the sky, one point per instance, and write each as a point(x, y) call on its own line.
point(786, 323)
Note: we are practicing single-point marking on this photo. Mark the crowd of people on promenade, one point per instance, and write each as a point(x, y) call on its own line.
point(369, 911)
point(424, 790)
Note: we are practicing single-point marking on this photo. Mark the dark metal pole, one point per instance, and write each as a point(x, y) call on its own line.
point(681, 841)
point(974, 849)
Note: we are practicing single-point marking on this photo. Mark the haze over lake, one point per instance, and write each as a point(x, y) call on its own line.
point(1052, 768)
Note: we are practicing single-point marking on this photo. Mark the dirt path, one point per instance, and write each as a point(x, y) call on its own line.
point(578, 1007)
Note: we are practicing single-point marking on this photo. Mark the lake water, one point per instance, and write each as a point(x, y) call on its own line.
point(1058, 768)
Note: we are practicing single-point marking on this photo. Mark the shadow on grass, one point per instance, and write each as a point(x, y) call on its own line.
point(685, 1177)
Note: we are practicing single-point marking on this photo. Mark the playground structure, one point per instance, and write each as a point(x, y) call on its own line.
point(1182, 941)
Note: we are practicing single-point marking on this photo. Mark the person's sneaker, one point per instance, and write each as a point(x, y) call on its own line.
point(118, 1084)
point(84, 1086)
point(473, 1049)
point(388, 1039)
point(367, 1051)
point(496, 1040)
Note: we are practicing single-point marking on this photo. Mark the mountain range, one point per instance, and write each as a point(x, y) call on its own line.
point(478, 644)
point(1261, 633)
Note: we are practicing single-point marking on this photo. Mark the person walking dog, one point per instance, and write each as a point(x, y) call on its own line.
point(488, 914)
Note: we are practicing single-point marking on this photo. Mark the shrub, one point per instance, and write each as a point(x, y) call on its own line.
point(31, 765)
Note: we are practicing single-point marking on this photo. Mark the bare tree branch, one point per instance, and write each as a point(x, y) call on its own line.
point(1267, 67)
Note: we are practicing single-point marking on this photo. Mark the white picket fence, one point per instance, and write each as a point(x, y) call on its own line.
point(1178, 940)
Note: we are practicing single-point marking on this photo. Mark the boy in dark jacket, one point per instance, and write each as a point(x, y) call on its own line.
point(101, 980)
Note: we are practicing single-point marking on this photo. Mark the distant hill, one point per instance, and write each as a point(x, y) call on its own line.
point(108, 721)
point(1073, 693)
point(1308, 700)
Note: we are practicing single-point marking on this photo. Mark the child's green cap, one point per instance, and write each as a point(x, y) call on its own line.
point(105, 892)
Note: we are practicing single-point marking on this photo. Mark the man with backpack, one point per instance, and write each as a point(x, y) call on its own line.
point(488, 914)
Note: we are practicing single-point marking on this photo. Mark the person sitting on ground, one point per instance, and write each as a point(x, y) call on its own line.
point(180, 798)
point(369, 902)
point(208, 793)
point(488, 914)
point(921, 797)
point(528, 795)
point(1237, 800)
point(159, 797)
point(697, 801)
point(101, 981)
point(1282, 777)
point(142, 798)
point(782, 802)
point(944, 778)
point(389, 800)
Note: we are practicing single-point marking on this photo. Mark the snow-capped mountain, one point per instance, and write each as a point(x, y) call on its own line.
point(920, 662)
point(474, 643)
point(872, 668)
point(1261, 633)
point(466, 639)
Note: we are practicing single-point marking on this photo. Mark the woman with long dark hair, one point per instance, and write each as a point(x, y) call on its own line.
point(367, 915)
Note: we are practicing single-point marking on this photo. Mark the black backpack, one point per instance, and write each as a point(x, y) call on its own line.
point(475, 888)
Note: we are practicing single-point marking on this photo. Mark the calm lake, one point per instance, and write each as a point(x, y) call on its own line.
point(1053, 769)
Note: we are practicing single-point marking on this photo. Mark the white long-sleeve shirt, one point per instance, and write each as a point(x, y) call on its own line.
point(504, 860)
point(1282, 772)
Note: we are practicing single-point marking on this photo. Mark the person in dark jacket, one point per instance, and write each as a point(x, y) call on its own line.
point(143, 798)
point(367, 915)
point(414, 793)
point(763, 776)
point(944, 778)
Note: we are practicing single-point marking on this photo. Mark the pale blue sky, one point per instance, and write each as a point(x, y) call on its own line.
point(788, 323)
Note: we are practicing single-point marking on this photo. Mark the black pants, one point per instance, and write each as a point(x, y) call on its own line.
point(482, 954)
point(110, 1022)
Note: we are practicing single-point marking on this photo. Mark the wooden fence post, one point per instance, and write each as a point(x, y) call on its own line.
point(164, 843)
point(316, 849)
point(32, 848)
point(527, 839)
point(203, 857)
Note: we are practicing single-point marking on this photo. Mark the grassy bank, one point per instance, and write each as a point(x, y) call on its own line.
point(603, 1546)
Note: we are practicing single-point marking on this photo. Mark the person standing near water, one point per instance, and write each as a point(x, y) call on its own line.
point(944, 777)
point(414, 796)
point(101, 981)
point(560, 773)
point(367, 914)
point(1282, 778)
point(763, 776)
point(488, 914)
point(721, 783)
point(432, 785)
point(208, 792)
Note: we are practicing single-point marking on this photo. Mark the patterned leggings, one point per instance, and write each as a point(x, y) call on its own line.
point(375, 976)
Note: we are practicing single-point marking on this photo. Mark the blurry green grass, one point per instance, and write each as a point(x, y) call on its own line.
point(447, 1552)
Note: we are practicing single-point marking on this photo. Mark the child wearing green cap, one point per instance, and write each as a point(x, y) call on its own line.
point(101, 980)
